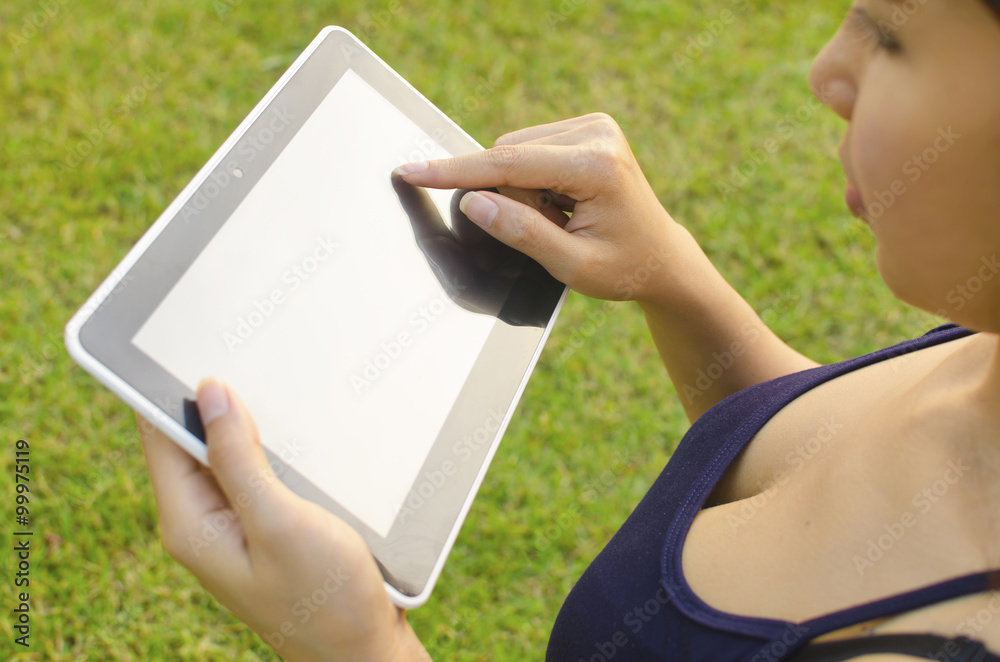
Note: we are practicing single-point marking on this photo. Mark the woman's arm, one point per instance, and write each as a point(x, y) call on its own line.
point(617, 243)
point(711, 341)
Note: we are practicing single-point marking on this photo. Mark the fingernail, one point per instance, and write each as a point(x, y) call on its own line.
point(480, 209)
point(212, 400)
point(410, 168)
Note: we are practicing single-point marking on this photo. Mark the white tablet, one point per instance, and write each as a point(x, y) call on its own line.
point(380, 339)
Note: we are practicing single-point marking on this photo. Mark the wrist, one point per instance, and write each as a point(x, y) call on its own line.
point(673, 272)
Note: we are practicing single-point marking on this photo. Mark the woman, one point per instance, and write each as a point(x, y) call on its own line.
point(883, 522)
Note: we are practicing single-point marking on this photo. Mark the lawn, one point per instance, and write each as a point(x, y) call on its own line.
point(108, 109)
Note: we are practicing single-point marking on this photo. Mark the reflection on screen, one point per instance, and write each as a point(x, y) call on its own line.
point(315, 304)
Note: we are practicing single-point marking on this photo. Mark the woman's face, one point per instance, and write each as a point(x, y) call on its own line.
point(919, 83)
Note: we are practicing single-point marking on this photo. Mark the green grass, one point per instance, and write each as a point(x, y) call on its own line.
point(91, 157)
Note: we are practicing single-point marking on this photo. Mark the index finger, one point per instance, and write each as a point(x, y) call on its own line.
point(561, 168)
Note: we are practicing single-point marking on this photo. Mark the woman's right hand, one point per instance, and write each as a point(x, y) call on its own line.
point(618, 232)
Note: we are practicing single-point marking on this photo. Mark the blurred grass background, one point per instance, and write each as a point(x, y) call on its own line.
point(108, 109)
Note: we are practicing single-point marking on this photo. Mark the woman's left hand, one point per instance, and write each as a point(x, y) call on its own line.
point(300, 577)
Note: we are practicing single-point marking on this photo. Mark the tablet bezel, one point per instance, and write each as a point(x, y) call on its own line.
point(97, 337)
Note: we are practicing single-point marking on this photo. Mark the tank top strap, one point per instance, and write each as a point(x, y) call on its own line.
point(956, 587)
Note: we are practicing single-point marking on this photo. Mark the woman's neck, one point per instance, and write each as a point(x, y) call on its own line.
point(972, 385)
point(990, 390)
point(966, 385)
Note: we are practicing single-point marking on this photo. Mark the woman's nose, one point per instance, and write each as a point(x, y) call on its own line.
point(832, 82)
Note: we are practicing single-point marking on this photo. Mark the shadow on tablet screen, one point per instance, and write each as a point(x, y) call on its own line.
point(479, 273)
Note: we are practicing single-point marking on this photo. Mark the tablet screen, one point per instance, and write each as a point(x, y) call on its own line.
point(306, 250)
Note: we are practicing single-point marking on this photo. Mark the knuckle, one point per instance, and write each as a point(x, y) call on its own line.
point(603, 153)
point(606, 124)
point(606, 129)
point(599, 116)
point(524, 234)
point(612, 133)
point(504, 157)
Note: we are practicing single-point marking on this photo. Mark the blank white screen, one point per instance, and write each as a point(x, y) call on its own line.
point(331, 310)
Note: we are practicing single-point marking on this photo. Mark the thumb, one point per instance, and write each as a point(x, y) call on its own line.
point(524, 228)
point(236, 456)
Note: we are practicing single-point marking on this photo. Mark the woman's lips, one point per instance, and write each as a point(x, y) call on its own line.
point(854, 201)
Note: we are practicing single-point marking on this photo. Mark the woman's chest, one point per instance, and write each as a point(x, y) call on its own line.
point(841, 498)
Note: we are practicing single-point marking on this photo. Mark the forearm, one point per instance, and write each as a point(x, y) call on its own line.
point(711, 341)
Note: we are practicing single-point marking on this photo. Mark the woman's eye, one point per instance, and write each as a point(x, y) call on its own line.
point(879, 37)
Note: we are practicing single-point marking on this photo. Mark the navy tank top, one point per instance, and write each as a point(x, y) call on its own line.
point(633, 604)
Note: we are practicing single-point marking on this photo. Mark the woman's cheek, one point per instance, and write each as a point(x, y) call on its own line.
point(879, 166)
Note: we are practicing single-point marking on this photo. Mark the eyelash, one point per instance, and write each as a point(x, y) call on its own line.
point(872, 33)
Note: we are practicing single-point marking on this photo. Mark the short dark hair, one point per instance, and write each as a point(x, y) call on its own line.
point(994, 5)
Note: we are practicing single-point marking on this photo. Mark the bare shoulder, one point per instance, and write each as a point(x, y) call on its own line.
point(849, 411)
